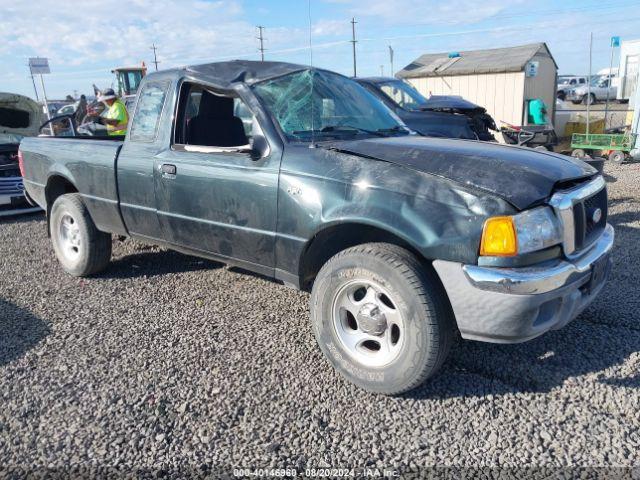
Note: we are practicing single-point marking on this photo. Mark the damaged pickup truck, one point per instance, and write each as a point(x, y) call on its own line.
point(302, 175)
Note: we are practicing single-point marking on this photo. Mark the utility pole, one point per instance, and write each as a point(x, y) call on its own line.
point(391, 59)
point(261, 38)
point(382, 70)
point(353, 42)
point(155, 58)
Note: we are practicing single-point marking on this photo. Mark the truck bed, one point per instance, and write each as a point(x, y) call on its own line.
point(88, 163)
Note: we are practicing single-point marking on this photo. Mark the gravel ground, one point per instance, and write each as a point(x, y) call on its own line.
point(170, 362)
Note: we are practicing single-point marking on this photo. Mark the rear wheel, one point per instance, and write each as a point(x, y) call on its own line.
point(381, 318)
point(617, 156)
point(578, 153)
point(81, 248)
point(589, 99)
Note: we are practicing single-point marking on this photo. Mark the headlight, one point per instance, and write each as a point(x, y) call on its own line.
point(525, 232)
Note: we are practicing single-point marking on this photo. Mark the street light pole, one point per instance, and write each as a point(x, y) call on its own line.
point(33, 80)
point(46, 102)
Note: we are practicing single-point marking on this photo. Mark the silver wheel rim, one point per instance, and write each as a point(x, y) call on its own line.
point(69, 237)
point(368, 323)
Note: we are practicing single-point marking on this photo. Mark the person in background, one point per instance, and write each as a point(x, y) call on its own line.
point(115, 117)
point(81, 110)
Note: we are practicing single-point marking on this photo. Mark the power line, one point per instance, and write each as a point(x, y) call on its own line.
point(353, 42)
point(155, 58)
point(261, 38)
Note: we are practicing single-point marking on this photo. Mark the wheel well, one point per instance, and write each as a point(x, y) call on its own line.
point(332, 240)
point(56, 186)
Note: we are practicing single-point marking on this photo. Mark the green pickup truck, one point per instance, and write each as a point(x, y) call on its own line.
point(302, 175)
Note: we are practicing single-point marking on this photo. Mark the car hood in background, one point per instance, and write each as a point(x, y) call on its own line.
point(438, 124)
point(454, 102)
point(519, 175)
point(19, 117)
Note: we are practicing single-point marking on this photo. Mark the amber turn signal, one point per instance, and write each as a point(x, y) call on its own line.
point(499, 237)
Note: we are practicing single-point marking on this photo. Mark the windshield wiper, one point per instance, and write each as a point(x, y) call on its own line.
point(337, 129)
point(397, 128)
point(350, 128)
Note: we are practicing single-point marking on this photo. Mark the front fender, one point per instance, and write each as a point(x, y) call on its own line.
point(437, 217)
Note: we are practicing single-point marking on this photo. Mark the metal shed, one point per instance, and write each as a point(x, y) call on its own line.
point(499, 79)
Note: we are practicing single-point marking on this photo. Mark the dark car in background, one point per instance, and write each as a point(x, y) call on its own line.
point(438, 116)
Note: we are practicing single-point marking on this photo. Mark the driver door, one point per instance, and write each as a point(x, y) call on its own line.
point(217, 199)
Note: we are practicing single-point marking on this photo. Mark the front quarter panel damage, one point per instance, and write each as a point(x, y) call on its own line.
point(321, 187)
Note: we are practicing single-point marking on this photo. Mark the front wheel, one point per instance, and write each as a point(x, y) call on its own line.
point(381, 318)
point(81, 248)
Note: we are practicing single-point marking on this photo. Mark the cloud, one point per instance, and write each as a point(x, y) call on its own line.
point(70, 34)
point(411, 12)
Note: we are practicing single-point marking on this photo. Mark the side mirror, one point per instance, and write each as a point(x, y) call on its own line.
point(260, 147)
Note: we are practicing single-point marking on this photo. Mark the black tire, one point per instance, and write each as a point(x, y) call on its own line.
point(561, 95)
point(415, 293)
point(576, 102)
point(589, 99)
point(89, 251)
point(617, 156)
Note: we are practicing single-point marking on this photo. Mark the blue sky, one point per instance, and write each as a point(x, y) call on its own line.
point(84, 44)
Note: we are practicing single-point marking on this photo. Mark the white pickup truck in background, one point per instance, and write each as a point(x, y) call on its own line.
point(600, 86)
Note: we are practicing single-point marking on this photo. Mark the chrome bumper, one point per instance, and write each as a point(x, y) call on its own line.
point(510, 305)
point(541, 278)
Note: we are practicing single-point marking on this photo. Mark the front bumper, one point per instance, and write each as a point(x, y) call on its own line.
point(510, 305)
point(574, 96)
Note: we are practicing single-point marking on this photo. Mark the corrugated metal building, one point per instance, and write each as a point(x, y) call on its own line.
point(500, 79)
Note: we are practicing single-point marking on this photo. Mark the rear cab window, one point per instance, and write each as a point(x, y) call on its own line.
point(144, 126)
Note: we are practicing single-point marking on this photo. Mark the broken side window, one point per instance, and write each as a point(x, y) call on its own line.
point(208, 119)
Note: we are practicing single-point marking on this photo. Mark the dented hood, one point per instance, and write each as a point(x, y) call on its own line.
point(19, 117)
point(521, 176)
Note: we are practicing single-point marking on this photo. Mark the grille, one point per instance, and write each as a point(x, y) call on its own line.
point(11, 186)
point(588, 226)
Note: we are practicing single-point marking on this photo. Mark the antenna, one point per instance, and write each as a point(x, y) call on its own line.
point(353, 42)
point(313, 142)
point(261, 38)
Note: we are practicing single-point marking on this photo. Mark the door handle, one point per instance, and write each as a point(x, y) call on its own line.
point(168, 169)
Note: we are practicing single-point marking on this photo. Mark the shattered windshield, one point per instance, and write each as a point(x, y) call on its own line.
point(338, 107)
point(404, 95)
